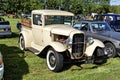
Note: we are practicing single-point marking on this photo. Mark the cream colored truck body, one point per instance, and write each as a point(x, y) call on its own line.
point(39, 38)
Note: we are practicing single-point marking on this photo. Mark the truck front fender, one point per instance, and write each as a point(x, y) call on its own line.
point(91, 48)
point(58, 46)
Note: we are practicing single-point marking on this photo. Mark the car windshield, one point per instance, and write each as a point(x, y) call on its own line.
point(76, 25)
point(100, 27)
point(49, 19)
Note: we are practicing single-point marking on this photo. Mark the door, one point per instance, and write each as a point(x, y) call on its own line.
point(37, 29)
point(85, 27)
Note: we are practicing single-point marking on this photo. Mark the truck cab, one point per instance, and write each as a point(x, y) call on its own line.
point(50, 32)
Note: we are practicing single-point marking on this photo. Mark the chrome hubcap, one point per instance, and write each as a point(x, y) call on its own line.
point(52, 60)
point(109, 51)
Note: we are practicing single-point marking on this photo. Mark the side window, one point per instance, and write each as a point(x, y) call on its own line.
point(94, 27)
point(37, 19)
point(77, 25)
point(84, 27)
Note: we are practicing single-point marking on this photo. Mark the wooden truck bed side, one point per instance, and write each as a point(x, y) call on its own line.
point(26, 22)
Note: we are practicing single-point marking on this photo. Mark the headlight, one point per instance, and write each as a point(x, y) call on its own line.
point(90, 40)
point(69, 41)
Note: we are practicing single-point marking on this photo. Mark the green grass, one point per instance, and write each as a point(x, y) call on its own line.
point(21, 65)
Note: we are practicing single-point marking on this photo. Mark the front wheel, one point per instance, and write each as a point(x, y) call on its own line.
point(54, 60)
point(22, 42)
point(110, 50)
point(99, 57)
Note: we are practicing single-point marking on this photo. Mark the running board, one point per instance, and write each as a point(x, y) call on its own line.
point(34, 50)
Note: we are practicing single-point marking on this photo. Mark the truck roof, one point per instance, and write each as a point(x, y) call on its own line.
point(53, 12)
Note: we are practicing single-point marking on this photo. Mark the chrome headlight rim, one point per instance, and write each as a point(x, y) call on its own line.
point(90, 40)
point(69, 41)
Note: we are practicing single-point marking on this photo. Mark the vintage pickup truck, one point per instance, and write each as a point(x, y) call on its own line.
point(49, 32)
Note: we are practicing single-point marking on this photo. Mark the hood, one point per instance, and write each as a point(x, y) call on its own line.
point(62, 29)
point(110, 34)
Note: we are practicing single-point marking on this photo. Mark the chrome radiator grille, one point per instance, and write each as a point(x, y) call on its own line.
point(78, 45)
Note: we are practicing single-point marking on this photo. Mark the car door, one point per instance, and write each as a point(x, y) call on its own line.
point(89, 32)
point(96, 34)
point(37, 29)
point(85, 27)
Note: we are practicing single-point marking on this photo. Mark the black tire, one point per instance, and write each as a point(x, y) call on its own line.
point(22, 42)
point(99, 57)
point(54, 60)
point(110, 50)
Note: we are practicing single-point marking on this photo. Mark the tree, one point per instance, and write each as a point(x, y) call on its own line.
point(75, 6)
point(52, 4)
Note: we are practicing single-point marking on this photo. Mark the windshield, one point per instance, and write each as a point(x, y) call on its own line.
point(100, 27)
point(49, 19)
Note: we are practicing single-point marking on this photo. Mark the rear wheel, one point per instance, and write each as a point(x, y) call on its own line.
point(110, 50)
point(54, 60)
point(22, 42)
point(99, 56)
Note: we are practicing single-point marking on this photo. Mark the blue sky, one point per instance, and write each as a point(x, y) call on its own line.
point(115, 2)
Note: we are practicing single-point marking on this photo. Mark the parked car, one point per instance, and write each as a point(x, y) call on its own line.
point(5, 29)
point(102, 31)
point(1, 67)
point(112, 19)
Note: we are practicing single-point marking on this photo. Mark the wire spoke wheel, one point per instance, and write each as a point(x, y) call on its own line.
point(110, 50)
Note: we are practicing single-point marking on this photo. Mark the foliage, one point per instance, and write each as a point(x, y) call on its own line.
point(102, 8)
point(19, 6)
point(51, 4)
point(115, 9)
point(76, 6)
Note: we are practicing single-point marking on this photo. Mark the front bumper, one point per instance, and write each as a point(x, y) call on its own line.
point(5, 33)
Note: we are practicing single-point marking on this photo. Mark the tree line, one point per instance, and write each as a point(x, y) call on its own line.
point(75, 6)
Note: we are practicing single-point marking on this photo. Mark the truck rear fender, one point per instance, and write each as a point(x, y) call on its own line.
point(27, 38)
point(91, 48)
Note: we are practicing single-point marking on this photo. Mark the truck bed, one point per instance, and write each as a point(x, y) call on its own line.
point(26, 22)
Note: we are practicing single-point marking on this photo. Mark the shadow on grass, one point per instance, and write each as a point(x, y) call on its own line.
point(14, 63)
point(14, 35)
point(89, 66)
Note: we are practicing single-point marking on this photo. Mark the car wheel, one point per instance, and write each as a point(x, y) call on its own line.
point(99, 56)
point(54, 60)
point(22, 42)
point(110, 50)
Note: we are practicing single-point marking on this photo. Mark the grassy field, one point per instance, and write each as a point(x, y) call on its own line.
point(21, 65)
